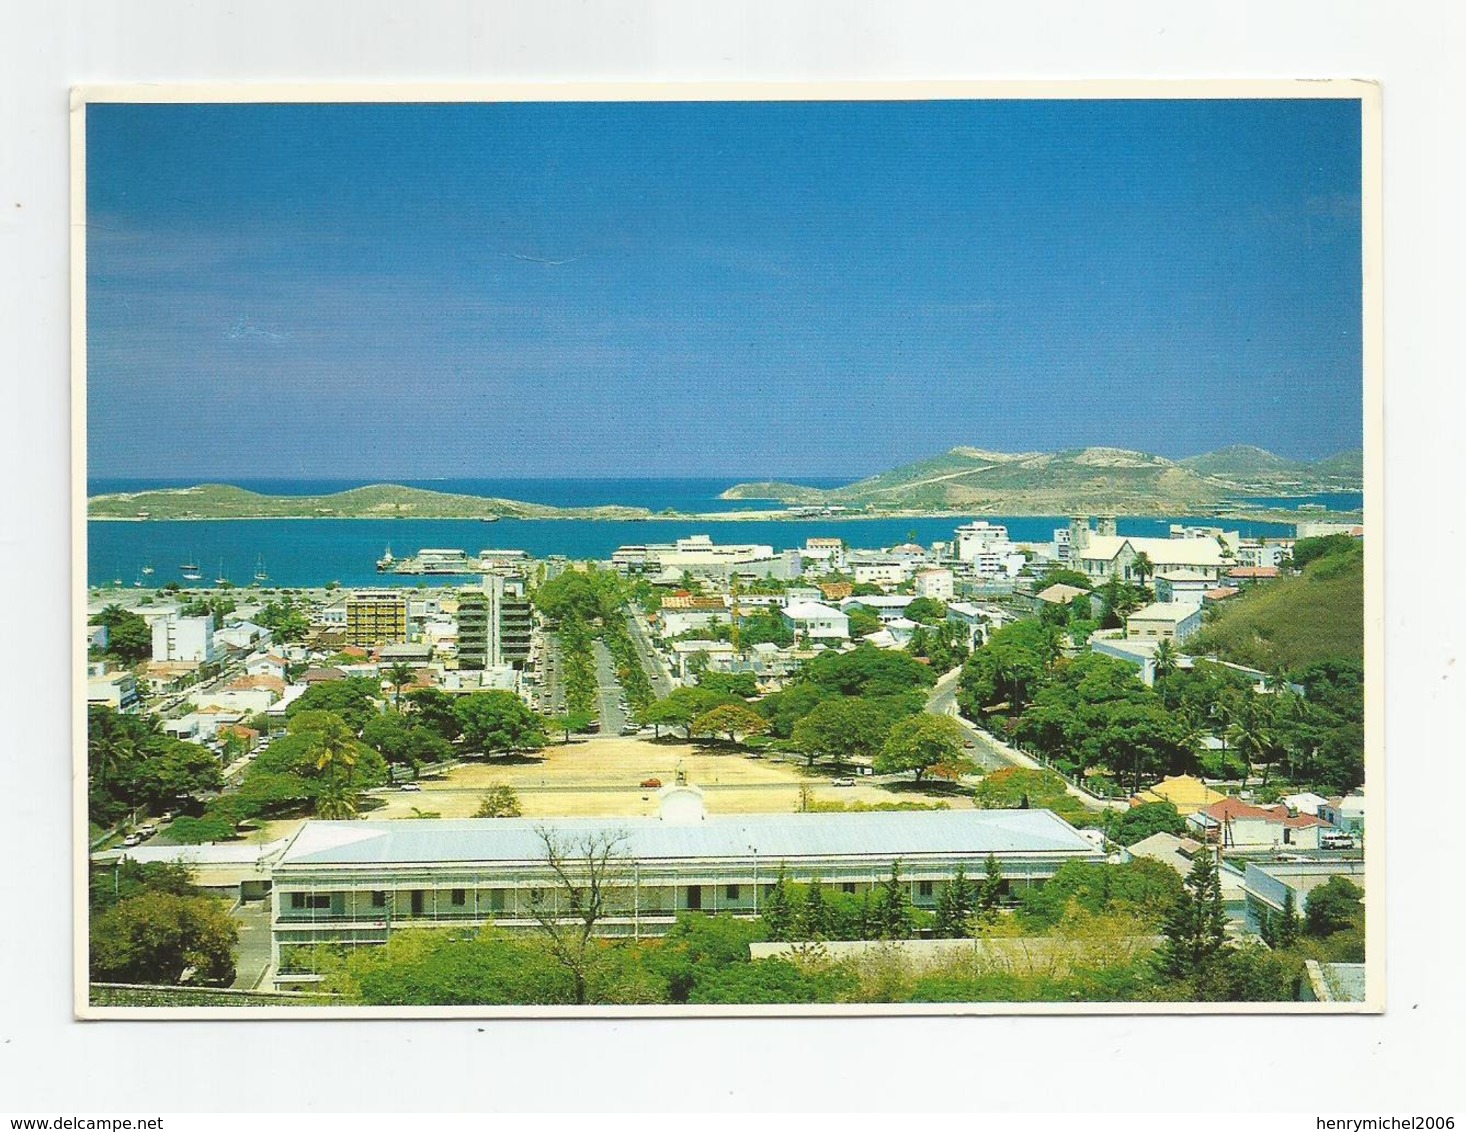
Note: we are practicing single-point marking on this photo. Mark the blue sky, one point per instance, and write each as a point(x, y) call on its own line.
point(414, 291)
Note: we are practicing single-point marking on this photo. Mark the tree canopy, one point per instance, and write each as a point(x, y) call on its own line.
point(499, 721)
point(925, 743)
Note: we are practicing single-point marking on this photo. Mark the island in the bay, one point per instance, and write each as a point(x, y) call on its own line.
point(1226, 483)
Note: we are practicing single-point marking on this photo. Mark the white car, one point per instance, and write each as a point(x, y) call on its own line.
point(410, 788)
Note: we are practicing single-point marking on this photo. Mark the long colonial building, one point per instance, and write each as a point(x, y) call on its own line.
point(357, 882)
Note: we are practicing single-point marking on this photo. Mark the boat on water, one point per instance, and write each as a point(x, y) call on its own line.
point(148, 568)
point(223, 578)
point(260, 575)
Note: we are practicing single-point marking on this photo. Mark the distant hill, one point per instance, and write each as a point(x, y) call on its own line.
point(378, 501)
point(1243, 463)
point(1344, 466)
point(1083, 480)
point(1293, 622)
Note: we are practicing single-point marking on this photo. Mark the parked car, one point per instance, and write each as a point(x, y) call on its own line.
point(132, 839)
point(1336, 841)
point(147, 830)
point(842, 782)
point(651, 784)
point(410, 788)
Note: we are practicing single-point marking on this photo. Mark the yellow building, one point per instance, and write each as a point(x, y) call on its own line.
point(1186, 793)
point(376, 617)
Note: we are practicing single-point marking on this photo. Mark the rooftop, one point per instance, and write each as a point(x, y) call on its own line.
point(1168, 611)
point(770, 837)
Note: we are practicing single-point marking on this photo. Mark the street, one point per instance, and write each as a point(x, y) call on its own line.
point(661, 681)
point(608, 689)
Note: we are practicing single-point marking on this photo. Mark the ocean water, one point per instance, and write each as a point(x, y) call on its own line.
point(312, 552)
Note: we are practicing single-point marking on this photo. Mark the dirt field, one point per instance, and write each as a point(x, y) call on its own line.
point(600, 777)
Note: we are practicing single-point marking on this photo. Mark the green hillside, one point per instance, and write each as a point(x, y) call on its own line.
point(377, 501)
point(1092, 480)
point(1293, 622)
point(1344, 466)
point(1244, 463)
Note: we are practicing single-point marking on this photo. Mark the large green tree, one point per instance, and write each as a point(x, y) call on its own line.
point(159, 937)
point(843, 728)
point(925, 743)
point(731, 720)
point(499, 721)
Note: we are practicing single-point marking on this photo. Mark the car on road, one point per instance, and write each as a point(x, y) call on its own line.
point(631, 729)
point(132, 839)
point(842, 782)
point(1335, 841)
point(651, 784)
point(147, 830)
point(410, 788)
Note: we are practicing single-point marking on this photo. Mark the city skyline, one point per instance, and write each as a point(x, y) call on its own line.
point(602, 290)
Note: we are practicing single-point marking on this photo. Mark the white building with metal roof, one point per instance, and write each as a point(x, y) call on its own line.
point(355, 882)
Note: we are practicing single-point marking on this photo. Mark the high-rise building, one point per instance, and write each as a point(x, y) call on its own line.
point(473, 629)
point(187, 639)
point(494, 624)
point(376, 617)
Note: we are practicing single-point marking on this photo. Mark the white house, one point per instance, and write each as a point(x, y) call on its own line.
point(1183, 587)
point(875, 572)
point(901, 629)
point(1305, 803)
point(1238, 825)
point(247, 701)
point(242, 635)
point(265, 664)
point(824, 555)
point(888, 607)
point(117, 690)
point(1347, 814)
point(817, 621)
point(935, 583)
point(189, 639)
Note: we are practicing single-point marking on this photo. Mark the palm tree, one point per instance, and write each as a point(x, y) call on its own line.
point(336, 747)
point(336, 801)
point(1252, 736)
point(1142, 567)
point(1165, 659)
point(399, 676)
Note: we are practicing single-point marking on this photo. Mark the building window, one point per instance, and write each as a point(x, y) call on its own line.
point(924, 888)
point(731, 892)
point(496, 900)
point(460, 897)
point(379, 900)
point(309, 900)
point(848, 887)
